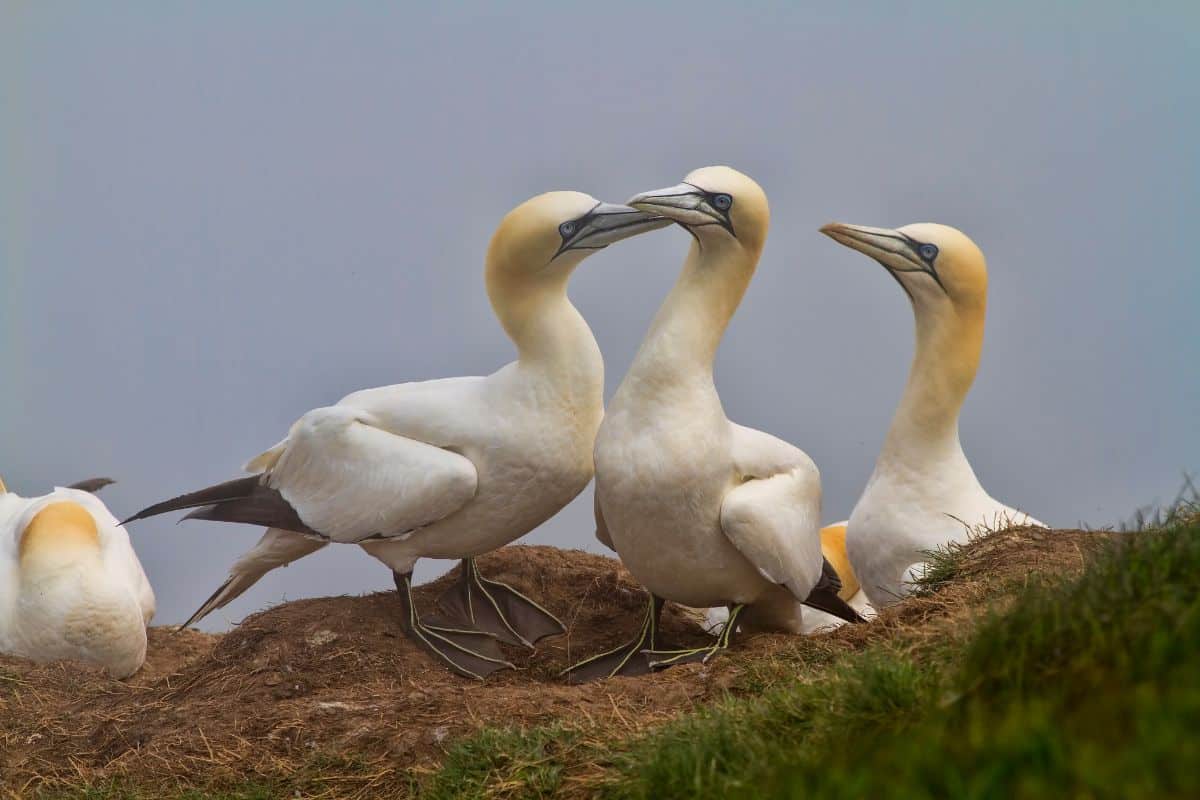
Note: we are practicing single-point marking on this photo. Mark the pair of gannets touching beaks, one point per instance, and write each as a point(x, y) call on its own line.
point(71, 586)
point(702, 511)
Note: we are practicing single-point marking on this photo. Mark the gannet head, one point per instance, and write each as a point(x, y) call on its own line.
point(3, 488)
point(551, 233)
point(935, 264)
point(715, 204)
point(58, 535)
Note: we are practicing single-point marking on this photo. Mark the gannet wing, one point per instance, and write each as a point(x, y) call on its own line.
point(339, 476)
point(601, 526)
point(349, 479)
point(773, 516)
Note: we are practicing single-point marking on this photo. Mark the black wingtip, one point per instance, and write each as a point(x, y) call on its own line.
point(230, 490)
point(829, 602)
point(91, 485)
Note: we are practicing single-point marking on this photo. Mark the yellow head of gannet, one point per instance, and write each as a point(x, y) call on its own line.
point(540, 242)
point(945, 276)
point(59, 534)
point(718, 205)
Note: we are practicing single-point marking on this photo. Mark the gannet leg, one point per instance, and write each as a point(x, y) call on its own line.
point(661, 659)
point(628, 659)
point(473, 654)
point(476, 603)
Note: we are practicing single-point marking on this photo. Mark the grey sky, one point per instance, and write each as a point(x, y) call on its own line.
point(214, 217)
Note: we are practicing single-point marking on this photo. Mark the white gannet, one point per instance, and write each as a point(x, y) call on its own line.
point(923, 492)
point(71, 585)
point(703, 511)
point(450, 468)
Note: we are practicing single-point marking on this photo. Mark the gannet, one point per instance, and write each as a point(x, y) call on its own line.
point(703, 511)
point(923, 493)
point(71, 585)
point(449, 468)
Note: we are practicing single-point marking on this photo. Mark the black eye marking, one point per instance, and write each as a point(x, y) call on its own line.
point(927, 252)
point(721, 202)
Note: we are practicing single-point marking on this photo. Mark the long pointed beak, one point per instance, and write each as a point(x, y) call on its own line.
point(686, 204)
point(891, 248)
point(681, 197)
point(608, 223)
point(874, 242)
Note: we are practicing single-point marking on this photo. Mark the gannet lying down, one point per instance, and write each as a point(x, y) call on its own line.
point(70, 584)
point(450, 468)
point(701, 510)
point(923, 493)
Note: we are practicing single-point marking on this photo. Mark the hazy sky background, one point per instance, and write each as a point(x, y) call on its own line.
point(216, 216)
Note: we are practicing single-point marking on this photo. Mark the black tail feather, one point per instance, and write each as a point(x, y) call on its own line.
point(263, 506)
point(223, 492)
point(92, 485)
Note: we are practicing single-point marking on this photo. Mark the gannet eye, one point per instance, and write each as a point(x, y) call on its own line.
point(928, 251)
point(567, 229)
point(722, 202)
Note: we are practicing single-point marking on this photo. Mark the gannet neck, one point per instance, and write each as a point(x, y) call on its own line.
point(925, 426)
point(687, 330)
point(547, 329)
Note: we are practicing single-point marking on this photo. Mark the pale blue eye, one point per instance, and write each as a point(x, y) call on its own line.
point(722, 202)
point(928, 251)
point(566, 229)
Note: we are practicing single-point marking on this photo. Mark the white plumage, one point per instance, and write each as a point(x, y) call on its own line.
point(71, 586)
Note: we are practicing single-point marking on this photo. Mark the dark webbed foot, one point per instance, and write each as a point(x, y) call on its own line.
point(628, 659)
point(473, 654)
point(476, 603)
point(661, 659)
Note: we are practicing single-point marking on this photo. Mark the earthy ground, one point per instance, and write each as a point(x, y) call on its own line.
point(331, 686)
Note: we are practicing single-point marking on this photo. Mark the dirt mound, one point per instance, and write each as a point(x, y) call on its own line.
point(333, 680)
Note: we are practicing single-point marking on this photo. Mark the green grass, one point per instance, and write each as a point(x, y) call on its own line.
point(493, 759)
point(1083, 688)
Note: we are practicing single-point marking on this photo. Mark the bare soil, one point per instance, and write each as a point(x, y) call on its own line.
point(332, 685)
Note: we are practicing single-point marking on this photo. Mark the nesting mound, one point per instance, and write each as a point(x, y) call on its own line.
point(331, 687)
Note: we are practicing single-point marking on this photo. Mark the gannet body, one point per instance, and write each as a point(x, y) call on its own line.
point(449, 468)
point(71, 586)
point(923, 493)
point(703, 511)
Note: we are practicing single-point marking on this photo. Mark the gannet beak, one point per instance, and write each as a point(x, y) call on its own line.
point(607, 223)
point(891, 248)
point(684, 203)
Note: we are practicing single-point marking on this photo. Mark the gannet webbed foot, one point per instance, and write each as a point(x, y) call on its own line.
point(470, 653)
point(476, 603)
point(628, 659)
point(661, 659)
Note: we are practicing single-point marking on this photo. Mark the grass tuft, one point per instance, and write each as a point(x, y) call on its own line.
point(500, 763)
